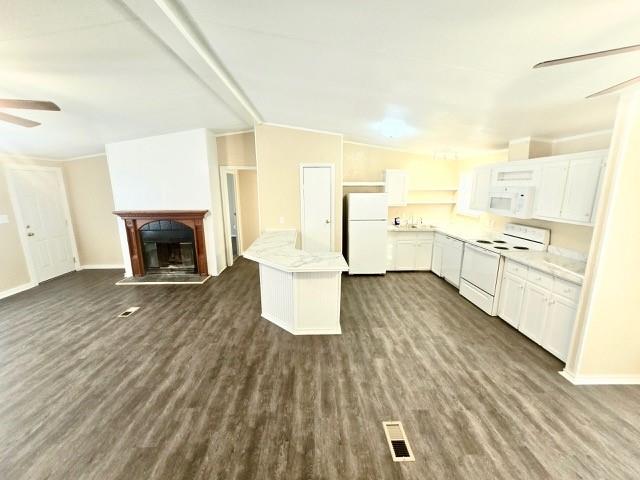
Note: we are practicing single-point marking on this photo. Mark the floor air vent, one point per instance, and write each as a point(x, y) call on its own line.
point(397, 440)
point(129, 311)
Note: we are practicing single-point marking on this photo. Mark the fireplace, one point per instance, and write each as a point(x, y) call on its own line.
point(166, 242)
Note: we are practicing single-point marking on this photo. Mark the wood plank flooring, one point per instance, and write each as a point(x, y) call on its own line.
point(196, 386)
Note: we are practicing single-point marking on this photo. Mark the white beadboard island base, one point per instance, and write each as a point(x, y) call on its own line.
point(300, 291)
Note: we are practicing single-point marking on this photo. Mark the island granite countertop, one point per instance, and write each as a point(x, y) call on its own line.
point(277, 249)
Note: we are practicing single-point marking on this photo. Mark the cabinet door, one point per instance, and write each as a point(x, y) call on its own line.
point(559, 327)
point(511, 297)
point(395, 186)
point(535, 309)
point(405, 255)
point(424, 252)
point(550, 193)
point(452, 261)
point(391, 252)
point(480, 186)
point(436, 260)
point(582, 187)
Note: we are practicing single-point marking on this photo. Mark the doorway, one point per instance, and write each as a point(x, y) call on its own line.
point(316, 207)
point(43, 220)
point(233, 213)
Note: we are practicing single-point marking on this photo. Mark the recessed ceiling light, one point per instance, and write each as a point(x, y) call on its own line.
point(394, 128)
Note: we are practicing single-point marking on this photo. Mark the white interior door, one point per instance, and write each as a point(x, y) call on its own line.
point(316, 208)
point(42, 208)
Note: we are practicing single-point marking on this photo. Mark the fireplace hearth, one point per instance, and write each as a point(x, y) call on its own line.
point(166, 242)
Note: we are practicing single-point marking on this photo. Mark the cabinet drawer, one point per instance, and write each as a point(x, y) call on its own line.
point(476, 296)
point(569, 290)
point(541, 279)
point(517, 269)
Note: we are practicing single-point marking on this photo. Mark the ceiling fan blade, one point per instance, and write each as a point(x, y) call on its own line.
point(23, 122)
point(587, 56)
point(616, 87)
point(29, 104)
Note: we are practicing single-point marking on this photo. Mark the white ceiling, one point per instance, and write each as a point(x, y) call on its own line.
point(458, 72)
point(111, 77)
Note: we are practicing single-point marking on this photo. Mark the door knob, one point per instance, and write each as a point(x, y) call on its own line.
point(327, 221)
point(30, 234)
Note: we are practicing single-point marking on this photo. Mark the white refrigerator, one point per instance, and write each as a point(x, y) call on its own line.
point(367, 233)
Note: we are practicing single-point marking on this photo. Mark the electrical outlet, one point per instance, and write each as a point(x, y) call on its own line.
point(4, 219)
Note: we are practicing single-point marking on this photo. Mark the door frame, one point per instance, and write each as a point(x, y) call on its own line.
point(228, 249)
point(333, 200)
point(11, 169)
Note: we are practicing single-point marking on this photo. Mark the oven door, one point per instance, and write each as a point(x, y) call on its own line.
point(480, 268)
point(502, 204)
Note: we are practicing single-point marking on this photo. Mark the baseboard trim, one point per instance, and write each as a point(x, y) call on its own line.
point(279, 323)
point(104, 266)
point(18, 289)
point(601, 379)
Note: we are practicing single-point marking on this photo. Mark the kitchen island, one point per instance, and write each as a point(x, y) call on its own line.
point(299, 290)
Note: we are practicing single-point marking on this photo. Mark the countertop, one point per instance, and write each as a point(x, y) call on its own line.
point(277, 249)
point(556, 265)
point(559, 266)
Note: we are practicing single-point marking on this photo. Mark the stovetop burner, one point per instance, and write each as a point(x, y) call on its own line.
point(483, 241)
point(521, 248)
point(502, 248)
point(499, 241)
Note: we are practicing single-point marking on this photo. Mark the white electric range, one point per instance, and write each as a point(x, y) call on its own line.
point(482, 262)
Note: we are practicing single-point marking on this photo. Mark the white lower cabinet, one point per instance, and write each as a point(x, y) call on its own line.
point(544, 311)
point(424, 254)
point(409, 251)
point(535, 308)
point(438, 250)
point(405, 255)
point(559, 326)
point(511, 296)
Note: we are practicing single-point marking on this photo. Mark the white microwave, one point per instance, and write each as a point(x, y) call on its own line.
point(514, 202)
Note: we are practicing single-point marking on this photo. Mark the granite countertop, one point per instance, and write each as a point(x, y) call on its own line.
point(465, 234)
point(277, 249)
point(407, 228)
point(556, 265)
point(559, 266)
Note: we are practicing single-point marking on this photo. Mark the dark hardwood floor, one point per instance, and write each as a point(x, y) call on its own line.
point(196, 386)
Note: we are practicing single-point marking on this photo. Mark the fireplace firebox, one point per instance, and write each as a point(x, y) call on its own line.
point(162, 242)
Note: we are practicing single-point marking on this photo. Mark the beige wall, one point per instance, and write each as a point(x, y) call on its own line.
point(609, 322)
point(91, 205)
point(248, 206)
point(582, 143)
point(13, 265)
point(368, 163)
point(237, 150)
point(279, 153)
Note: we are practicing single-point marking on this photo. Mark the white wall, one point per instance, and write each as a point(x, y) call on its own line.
point(178, 171)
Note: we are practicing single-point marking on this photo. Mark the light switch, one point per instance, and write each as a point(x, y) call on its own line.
point(4, 219)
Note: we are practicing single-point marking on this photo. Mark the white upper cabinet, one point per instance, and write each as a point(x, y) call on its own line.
point(550, 192)
point(581, 190)
point(396, 186)
point(566, 186)
point(480, 186)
